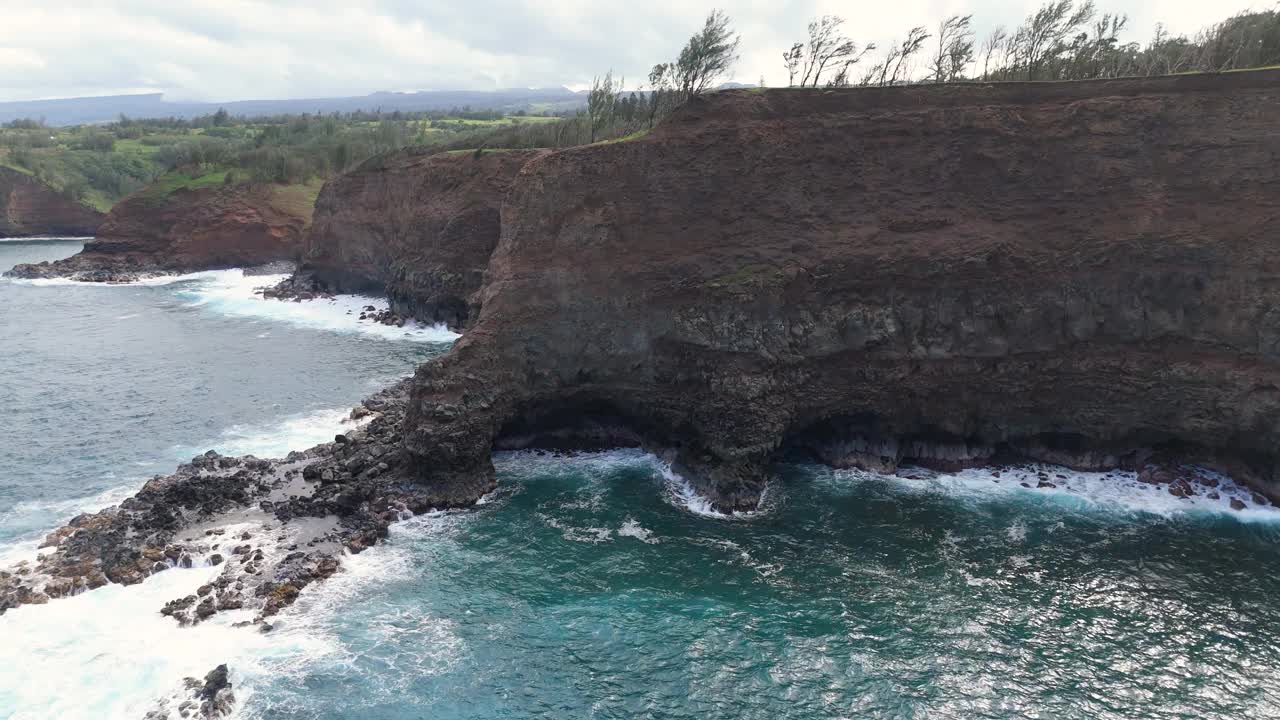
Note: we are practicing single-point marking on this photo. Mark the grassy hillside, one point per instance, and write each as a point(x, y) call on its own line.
point(98, 165)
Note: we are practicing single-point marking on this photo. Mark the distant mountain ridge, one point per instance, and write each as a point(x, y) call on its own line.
point(87, 110)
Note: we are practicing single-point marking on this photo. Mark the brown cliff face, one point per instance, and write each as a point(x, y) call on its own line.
point(185, 231)
point(418, 227)
point(1075, 272)
point(30, 208)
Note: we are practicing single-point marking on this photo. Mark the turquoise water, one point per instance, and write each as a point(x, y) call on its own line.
point(586, 589)
point(594, 586)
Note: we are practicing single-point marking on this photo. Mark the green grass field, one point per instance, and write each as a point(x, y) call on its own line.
point(101, 164)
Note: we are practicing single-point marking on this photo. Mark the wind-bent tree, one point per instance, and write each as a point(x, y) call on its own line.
point(791, 59)
point(955, 49)
point(661, 91)
point(828, 49)
point(896, 66)
point(706, 57)
point(992, 45)
point(1042, 34)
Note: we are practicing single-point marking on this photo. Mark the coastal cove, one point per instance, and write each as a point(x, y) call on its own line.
point(599, 584)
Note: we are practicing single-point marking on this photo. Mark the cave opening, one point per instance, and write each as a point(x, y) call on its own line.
point(574, 424)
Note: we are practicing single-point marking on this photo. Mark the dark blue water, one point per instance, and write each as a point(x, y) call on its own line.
point(103, 386)
point(597, 587)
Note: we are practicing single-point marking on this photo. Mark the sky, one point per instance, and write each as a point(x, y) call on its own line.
point(221, 50)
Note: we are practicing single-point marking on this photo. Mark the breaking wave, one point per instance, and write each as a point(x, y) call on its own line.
point(232, 292)
point(1069, 490)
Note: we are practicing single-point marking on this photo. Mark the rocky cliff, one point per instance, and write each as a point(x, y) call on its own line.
point(185, 230)
point(1083, 273)
point(29, 208)
point(416, 226)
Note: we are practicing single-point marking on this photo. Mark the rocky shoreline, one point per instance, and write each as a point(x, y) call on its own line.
point(154, 233)
point(29, 207)
point(291, 521)
point(276, 526)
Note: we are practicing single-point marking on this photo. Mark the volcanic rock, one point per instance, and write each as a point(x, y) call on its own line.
point(153, 232)
point(29, 207)
point(416, 226)
point(1082, 268)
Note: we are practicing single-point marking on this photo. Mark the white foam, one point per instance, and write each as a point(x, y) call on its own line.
point(152, 281)
point(231, 292)
point(632, 529)
point(308, 633)
point(675, 488)
point(273, 439)
point(1107, 492)
point(681, 493)
point(45, 238)
point(109, 653)
point(278, 438)
point(1017, 532)
point(53, 513)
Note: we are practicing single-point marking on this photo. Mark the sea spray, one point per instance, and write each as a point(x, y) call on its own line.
point(234, 293)
point(1111, 492)
point(276, 439)
point(108, 653)
point(111, 384)
point(331, 630)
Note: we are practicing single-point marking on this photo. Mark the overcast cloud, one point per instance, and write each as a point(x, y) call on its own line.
point(245, 49)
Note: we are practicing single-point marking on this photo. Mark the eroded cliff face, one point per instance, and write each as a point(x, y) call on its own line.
point(186, 231)
point(416, 226)
point(30, 208)
point(1082, 273)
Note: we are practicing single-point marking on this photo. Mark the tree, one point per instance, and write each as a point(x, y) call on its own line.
point(661, 91)
point(707, 56)
point(602, 103)
point(955, 48)
point(791, 59)
point(1250, 39)
point(992, 45)
point(893, 67)
point(1042, 34)
point(828, 48)
point(221, 117)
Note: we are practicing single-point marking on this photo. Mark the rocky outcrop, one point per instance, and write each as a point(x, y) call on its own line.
point(1084, 273)
point(273, 526)
point(29, 207)
point(416, 226)
point(185, 230)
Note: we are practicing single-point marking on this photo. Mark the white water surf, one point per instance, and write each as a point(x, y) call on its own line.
point(231, 292)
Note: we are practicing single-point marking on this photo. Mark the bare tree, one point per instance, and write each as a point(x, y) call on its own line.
point(900, 56)
point(707, 56)
point(873, 75)
point(990, 46)
point(1168, 55)
point(955, 48)
point(792, 59)
point(828, 48)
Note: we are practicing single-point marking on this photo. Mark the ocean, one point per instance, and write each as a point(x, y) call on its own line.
point(598, 585)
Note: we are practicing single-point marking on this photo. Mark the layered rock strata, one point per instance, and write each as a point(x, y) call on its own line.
point(1084, 273)
point(30, 208)
point(415, 226)
point(153, 233)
